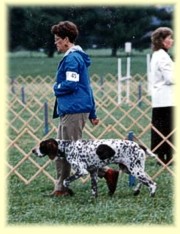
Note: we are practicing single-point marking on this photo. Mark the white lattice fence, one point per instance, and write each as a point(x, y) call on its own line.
point(26, 120)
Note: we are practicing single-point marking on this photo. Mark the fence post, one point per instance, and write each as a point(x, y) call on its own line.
point(23, 95)
point(139, 94)
point(131, 178)
point(46, 126)
point(12, 85)
point(102, 85)
point(125, 78)
point(128, 75)
point(119, 80)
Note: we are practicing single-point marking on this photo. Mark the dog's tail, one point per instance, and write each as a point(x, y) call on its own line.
point(147, 151)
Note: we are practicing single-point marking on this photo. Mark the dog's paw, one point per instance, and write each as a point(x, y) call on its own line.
point(66, 183)
point(153, 190)
point(94, 193)
point(152, 194)
point(136, 192)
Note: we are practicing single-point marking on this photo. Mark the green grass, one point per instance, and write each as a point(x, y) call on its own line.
point(27, 203)
point(34, 64)
point(30, 205)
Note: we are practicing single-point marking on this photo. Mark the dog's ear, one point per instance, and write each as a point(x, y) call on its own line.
point(50, 148)
point(104, 151)
point(53, 149)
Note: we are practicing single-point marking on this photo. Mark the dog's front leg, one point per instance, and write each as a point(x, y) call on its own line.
point(70, 179)
point(94, 179)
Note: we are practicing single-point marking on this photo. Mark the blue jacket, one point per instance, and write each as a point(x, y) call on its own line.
point(72, 88)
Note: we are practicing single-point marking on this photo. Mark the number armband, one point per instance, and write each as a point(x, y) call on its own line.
point(72, 76)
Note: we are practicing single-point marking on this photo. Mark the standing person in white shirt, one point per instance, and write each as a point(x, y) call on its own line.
point(162, 93)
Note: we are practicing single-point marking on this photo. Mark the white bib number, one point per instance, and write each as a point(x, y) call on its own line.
point(72, 76)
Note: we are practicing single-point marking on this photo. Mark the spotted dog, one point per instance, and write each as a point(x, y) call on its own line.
point(87, 156)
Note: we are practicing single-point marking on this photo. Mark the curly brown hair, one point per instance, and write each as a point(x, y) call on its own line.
point(158, 36)
point(66, 29)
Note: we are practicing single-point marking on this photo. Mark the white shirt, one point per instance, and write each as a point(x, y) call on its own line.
point(161, 79)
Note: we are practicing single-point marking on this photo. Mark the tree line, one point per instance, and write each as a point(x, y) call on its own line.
point(100, 27)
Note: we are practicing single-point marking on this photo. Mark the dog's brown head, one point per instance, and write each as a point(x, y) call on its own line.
point(48, 147)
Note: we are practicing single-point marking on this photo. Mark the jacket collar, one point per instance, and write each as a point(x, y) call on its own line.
point(72, 49)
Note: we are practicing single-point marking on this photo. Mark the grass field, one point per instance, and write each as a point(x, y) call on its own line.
point(28, 204)
point(29, 63)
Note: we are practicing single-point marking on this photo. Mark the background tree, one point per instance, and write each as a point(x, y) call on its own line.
point(101, 27)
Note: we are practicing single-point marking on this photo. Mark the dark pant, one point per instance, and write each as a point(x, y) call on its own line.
point(162, 120)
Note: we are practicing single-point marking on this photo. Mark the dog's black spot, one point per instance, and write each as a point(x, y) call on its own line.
point(104, 151)
point(61, 154)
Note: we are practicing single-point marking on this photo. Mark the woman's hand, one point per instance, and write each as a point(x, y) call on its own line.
point(94, 121)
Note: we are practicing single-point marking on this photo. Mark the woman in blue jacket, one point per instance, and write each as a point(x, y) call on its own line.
point(74, 102)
